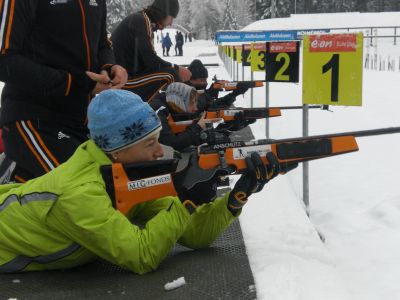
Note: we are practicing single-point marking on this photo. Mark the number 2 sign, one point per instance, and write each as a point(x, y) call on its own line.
point(332, 69)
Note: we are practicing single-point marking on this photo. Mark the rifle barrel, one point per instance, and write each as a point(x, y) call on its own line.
point(298, 107)
point(360, 133)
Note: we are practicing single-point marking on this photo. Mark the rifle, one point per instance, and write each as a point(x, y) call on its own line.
point(129, 185)
point(179, 122)
point(234, 85)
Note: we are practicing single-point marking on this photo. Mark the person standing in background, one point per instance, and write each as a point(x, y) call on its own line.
point(54, 57)
point(134, 49)
point(180, 44)
point(176, 43)
point(167, 43)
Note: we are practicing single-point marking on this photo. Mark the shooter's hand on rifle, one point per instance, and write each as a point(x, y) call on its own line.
point(238, 123)
point(203, 122)
point(204, 191)
point(253, 179)
point(241, 88)
point(213, 91)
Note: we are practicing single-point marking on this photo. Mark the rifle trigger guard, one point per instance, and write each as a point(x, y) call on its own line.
point(221, 155)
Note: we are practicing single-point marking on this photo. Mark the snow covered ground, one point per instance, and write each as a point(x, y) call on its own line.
point(354, 198)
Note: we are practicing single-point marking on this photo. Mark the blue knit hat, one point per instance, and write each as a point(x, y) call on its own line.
point(118, 119)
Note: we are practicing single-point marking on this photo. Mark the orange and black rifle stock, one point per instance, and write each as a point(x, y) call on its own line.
point(129, 185)
point(179, 122)
point(234, 85)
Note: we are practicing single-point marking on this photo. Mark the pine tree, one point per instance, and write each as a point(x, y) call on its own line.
point(117, 10)
point(205, 17)
point(230, 21)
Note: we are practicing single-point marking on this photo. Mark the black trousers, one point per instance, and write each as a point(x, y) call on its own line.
point(148, 84)
point(37, 146)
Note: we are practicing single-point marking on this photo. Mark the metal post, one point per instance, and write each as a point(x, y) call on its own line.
point(266, 94)
point(251, 90)
point(267, 105)
point(306, 174)
point(242, 70)
point(370, 43)
point(242, 63)
point(232, 69)
point(237, 68)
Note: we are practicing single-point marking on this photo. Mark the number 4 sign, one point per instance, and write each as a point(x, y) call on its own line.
point(332, 69)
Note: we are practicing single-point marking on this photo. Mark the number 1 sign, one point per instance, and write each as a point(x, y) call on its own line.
point(332, 69)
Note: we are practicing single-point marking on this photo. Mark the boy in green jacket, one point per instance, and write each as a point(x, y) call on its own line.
point(65, 218)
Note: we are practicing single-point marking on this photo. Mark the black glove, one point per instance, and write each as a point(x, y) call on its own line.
point(241, 88)
point(196, 186)
point(238, 123)
point(253, 179)
point(213, 92)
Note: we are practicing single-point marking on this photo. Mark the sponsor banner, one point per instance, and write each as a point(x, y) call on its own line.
point(242, 152)
point(333, 43)
point(239, 36)
point(283, 47)
point(149, 182)
point(301, 33)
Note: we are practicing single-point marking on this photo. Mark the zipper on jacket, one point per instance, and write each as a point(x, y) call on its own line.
point(85, 35)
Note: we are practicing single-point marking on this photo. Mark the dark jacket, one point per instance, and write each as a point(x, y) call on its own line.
point(207, 101)
point(166, 42)
point(133, 45)
point(44, 55)
point(179, 141)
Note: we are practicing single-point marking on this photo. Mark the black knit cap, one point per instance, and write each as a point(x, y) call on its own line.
point(198, 69)
point(166, 7)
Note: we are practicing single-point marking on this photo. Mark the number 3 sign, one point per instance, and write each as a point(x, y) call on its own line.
point(332, 69)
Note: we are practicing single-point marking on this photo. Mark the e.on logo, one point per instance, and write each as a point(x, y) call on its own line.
point(333, 43)
point(283, 47)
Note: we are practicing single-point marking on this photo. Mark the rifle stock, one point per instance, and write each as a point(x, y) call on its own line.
point(137, 183)
point(233, 85)
point(225, 114)
point(129, 185)
point(287, 152)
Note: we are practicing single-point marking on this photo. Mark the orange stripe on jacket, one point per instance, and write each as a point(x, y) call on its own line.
point(146, 82)
point(49, 154)
point(68, 84)
point(149, 30)
point(9, 25)
point(85, 35)
point(31, 148)
point(19, 179)
point(165, 76)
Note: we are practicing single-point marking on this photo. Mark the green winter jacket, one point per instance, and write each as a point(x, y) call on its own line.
point(65, 219)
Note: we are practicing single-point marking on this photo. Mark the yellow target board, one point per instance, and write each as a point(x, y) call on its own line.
point(332, 69)
point(258, 56)
point(238, 56)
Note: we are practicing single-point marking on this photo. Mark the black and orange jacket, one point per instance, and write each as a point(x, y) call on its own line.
point(46, 47)
point(133, 45)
